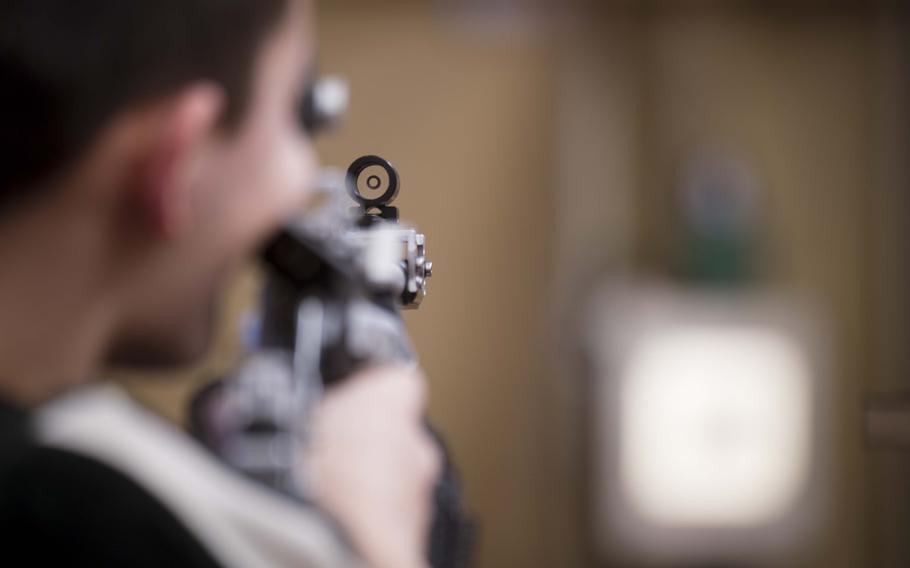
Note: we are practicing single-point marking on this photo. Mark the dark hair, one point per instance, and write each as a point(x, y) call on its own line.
point(67, 66)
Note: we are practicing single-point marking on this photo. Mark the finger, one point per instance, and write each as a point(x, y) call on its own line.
point(428, 470)
point(431, 460)
point(406, 387)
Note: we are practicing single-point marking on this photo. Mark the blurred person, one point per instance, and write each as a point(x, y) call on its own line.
point(148, 148)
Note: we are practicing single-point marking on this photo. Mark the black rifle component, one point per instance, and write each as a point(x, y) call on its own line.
point(325, 315)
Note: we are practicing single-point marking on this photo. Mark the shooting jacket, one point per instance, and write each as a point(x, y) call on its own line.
point(95, 480)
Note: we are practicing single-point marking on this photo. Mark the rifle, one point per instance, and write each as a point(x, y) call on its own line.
point(336, 280)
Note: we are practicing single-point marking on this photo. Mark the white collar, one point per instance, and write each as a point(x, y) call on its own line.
point(242, 524)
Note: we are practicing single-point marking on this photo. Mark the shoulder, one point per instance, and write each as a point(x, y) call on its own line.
point(56, 504)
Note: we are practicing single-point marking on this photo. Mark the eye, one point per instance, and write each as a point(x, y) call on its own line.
point(323, 104)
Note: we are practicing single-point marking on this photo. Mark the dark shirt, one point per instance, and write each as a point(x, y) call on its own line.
point(58, 508)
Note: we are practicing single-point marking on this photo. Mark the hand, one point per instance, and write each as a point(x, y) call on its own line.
point(374, 465)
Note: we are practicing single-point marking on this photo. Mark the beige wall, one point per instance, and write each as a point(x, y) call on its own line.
point(800, 99)
point(467, 120)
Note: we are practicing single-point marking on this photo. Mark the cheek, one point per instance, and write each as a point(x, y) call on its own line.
point(293, 171)
point(286, 172)
point(266, 182)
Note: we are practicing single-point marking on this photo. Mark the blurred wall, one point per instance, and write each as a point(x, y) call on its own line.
point(809, 98)
point(889, 469)
point(466, 117)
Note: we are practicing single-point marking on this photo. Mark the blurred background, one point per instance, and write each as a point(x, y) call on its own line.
point(669, 323)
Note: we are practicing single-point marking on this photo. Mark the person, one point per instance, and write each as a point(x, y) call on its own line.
point(147, 149)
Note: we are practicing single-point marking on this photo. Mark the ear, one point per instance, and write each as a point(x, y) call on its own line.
point(185, 124)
